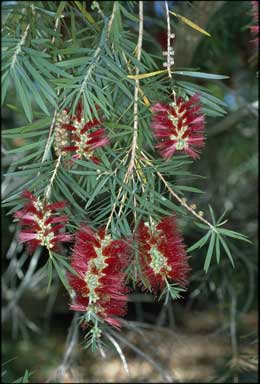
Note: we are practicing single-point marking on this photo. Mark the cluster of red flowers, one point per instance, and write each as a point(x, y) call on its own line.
point(37, 219)
point(162, 253)
point(99, 286)
point(84, 136)
point(179, 127)
point(255, 28)
point(99, 261)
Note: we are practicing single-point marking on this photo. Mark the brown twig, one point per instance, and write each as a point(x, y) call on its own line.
point(179, 199)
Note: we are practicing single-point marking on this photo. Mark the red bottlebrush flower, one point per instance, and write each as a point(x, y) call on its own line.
point(37, 219)
point(84, 137)
point(99, 286)
point(255, 28)
point(179, 127)
point(162, 253)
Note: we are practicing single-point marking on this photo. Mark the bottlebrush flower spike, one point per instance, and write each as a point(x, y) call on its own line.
point(179, 127)
point(40, 223)
point(61, 136)
point(255, 28)
point(84, 137)
point(162, 253)
point(99, 286)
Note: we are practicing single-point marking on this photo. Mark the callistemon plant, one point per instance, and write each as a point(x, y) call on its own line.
point(41, 225)
point(162, 254)
point(84, 135)
point(74, 69)
point(179, 126)
point(99, 285)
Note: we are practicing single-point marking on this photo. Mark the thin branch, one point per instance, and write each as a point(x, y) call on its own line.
point(19, 46)
point(70, 349)
point(166, 376)
point(91, 67)
point(181, 200)
point(48, 143)
point(48, 189)
point(96, 55)
point(168, 39)
point(117, 198)
point(139, 52)
point(120, 352)
point(135, 134)
point(111, 19)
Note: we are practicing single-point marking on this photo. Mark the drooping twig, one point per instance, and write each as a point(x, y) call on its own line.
point(166, 376)
point(168, 39)
point(139, 52)
point(70, 349)
point(19, 46)
point(48, 189)
point(180, 200)
point(111, 19)
point(120, 352)
point(183, 202)
point(135, 134)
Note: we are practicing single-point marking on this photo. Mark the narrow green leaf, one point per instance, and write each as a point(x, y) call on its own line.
point(225, 246)
point(46, 90)
point(217, 250)
point(10, 135)
point(5, 85)
point(212, 215)
point(203, 75)
point(27, 128)
point(72, 63)
point(49, 272)
point(23, 96)
point(203, 226)
point(200, 242)
point(210, 252)
point(187, 188)
point(96, 191)
point(61, 8)
point(235, 235)
point(65, 263)
point(25, 148)
point(61, 274)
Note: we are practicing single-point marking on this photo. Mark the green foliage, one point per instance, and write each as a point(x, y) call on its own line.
point(216, 239)
point(171, 291)
point(24, 378)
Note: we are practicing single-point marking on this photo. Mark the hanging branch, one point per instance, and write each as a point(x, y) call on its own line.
point(181, 200)
point(48, 189)
point(19, 46)
point(184, 204)
point(111, 19)
point(135, 134)
point(169, 61)
point(170, 51)
point(48, 143)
